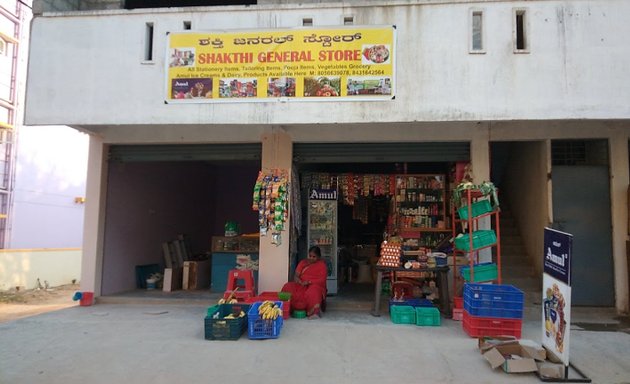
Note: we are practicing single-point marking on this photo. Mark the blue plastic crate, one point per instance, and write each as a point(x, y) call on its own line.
point(260, 328)
point(411, 302)
point(493, 300)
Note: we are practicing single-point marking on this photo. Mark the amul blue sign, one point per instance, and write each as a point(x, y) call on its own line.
point(323, 194)
point(557, 259)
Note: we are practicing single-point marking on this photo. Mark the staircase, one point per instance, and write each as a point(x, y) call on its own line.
point(516, 267)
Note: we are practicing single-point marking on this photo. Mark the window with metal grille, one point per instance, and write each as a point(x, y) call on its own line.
point(579, 152)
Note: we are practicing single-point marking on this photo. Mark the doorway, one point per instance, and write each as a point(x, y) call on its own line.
point(581, 207)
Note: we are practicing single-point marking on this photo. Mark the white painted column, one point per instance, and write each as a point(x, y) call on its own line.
point(480, 161)
point(93, 226)
point(619, 181)
point(277, 153)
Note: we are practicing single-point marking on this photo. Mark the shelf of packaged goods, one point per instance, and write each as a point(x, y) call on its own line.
point(418, 214)
point(432, 190)
point(415, 203)
point(425, 229)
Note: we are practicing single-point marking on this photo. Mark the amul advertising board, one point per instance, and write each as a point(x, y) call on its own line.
point(279, 65)
point(557, 293)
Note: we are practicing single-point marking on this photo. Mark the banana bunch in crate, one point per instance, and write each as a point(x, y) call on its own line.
point(231, 301)
point(269, 310)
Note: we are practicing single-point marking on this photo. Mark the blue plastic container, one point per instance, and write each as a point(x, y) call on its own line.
point(493, 300)
point(259, 328)
point(410, 302)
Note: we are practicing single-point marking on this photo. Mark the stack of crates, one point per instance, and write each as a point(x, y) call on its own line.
point(492, 310)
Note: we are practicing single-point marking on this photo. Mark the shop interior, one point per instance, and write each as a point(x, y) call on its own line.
point(367, 213)
point(181, 208)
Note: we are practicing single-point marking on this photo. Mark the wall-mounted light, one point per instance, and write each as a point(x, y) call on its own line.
point(79, 200)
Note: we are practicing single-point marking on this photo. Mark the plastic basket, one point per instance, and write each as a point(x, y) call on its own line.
point(458, 314)
point(458, 302)
point(498, 301)
point(411, 302)
point(481, 238)
point(286, 308)
point(403, 314)
point(490, 326)
point(482, 272)
point(478, 209)
point(217, 328)
point(284, 296)
point(259, 328)
point(299, 314)
point(427, 316)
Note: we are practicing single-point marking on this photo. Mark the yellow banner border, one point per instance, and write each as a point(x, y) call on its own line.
point(281, 99)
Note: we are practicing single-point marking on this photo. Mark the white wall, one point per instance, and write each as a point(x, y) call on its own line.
point(22, 267)
point(577, 69)
point(50, 173)
point(528, 189)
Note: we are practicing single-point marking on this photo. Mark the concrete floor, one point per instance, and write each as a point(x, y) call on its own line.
point(146, 342)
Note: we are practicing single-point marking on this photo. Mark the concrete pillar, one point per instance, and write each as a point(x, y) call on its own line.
point(94, 221)
point(480, 161)
point(277, 153)
point(480, 154)
point(619, 181)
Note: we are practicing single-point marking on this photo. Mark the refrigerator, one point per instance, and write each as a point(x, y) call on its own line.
point(322, 230)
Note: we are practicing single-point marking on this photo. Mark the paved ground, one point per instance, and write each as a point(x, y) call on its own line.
point(139, 343)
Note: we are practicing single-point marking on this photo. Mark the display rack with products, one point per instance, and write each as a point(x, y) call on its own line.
point(420, 209)
point(472, 204)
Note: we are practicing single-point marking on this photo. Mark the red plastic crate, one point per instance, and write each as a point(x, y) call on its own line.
point(491, 326)
point(458, 302)
point(458, 314)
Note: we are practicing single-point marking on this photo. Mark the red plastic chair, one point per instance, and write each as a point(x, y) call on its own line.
point(243, 279)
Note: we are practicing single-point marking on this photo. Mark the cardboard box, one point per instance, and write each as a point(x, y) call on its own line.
point(548, 370)
point(511, 354)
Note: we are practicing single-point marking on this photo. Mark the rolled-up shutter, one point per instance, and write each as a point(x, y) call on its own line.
point(305, 153)
point(192, 152)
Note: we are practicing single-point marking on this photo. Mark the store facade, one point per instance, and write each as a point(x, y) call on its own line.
point(447, 92)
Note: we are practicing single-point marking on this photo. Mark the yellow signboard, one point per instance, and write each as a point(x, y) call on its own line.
point(269, 65)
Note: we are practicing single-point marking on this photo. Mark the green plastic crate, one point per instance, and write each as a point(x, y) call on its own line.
point(403, 314)
point(216, 327)
point(427, 316)
point(483, 272)
point(481, 238)
point(478, 209)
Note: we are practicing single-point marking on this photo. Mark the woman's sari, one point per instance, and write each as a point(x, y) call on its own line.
point(308, 297)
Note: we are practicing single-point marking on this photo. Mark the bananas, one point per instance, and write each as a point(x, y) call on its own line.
point(268, 310)
point(232, 301)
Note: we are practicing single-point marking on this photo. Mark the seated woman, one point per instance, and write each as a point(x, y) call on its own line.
point(309, 289)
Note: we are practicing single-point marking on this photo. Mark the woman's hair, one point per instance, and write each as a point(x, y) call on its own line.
point(315, 249)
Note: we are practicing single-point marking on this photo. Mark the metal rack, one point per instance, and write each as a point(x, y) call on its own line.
point(472, 224)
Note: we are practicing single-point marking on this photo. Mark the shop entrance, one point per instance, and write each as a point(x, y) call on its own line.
point(177, 198)
point(365, 210)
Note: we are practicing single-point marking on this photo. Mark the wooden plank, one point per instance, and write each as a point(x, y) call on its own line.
point(172, 279)
point(168, 261)
point(196, 275)
point(186, 246)
point(178, 252)
point(186, 276)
